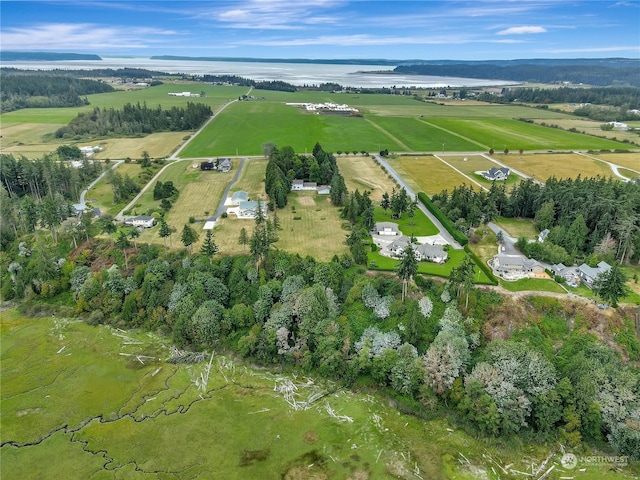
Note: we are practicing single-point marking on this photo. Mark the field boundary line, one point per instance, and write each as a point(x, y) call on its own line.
point(486, 147)
point(388, 134)
point(461, 173)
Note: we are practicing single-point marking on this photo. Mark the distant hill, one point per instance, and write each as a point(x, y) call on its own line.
point(325, 61)
point(45, 56)
point(597, 72)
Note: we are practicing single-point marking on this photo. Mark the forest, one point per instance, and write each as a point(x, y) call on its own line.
point(628, 97)
point(596, 75)
point(135, 120)
point(584, 215)
point(21, 90)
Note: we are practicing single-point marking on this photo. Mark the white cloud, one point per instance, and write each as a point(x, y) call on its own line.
point(522, 30)
point(80, 36)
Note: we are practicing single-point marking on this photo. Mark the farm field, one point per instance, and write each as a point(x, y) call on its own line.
point(245, 127)
point(416, 135)
point(470, 164)
point(560, 165)
point(126, 418)
point(501, 133)
point(158, 145)
point(592, 127)
point(427, 174)
point(629, 160)
point(251, 179)
point(363, 173)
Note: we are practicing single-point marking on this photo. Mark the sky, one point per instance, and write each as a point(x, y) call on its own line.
point(314, 29)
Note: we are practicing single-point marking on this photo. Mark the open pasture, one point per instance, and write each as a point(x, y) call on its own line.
point(517, 227)
point(629, 160)
point(158, 145)
point(363, 173)
point(428, 174)
point(251, 179)
point(501, 133)
point(460, 110)
point(419, 136)
point(245, 127)
point(591, 127)
point(560, 165)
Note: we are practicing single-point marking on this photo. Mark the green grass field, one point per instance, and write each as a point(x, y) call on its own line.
point(422, 226)
point(428, 174)
point(363, 174)
point(532, 284)
point(517, 227)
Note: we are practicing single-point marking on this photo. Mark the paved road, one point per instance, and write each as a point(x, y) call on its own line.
point(221, 207)
point(443, 231)
point(81, 205)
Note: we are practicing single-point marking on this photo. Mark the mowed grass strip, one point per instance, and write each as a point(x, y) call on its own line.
point(364, 174)
point(245, 127)
point(419, 136)
point(503, 133)
point(428, 174)
point(560, 165)
point(251, 178)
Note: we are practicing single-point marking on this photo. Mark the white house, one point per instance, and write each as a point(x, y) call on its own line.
point(249, 209)
point(223, 164)
point(431, 253)
point(495, 173)
point(386, 228)
point(323, 190)
point(236, 198)
point(542, 236)
point(141, 221)
point(398, 245)
point(297, 185)
point(517, 264)
point(589, 274)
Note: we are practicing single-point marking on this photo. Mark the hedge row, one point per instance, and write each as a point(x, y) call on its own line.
point(481, 265)
point(460, 237)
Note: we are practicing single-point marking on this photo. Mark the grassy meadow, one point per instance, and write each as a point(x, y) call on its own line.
point(82, 401)
point(629, 160)
point(542, 166)
point(364, 174)
point(425, 173)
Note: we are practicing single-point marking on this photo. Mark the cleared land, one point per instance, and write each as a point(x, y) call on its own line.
point(517, 227)
point(592, 127)
point(427, 174)
point(363, 173)
point(560, 165)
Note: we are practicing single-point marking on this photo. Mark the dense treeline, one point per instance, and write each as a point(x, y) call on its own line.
point(615, 96)
point(45, 56)
point(583, 215)
point(42, 91)
point(135, 120)
point(596, 75)
point(285, 165)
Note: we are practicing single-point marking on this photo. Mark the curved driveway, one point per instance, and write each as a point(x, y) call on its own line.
point(443, 231)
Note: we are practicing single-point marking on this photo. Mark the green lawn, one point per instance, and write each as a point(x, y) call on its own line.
point(517, 227)
point(533, 284)
point(423, 226)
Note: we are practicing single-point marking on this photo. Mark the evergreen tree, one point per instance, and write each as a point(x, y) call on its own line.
point(610, 286)
point(188, 237)
point(243, 238)
point(163, 232)
point(408, 267)
point(122, 242)
point(209, 247)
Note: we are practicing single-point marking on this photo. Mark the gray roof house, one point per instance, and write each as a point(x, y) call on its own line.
point(397, 246)
point(495, 173)
point(431, 253)
point(237, 197)
point(589, 274)
point(386, 228)
point(223, 164)
point(516, 264)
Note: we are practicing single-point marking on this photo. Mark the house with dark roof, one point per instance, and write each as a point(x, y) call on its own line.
point(495, 173)
point(208, 165)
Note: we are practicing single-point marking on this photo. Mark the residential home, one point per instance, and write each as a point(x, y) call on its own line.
point(542, 236)
point(207, 165)
point(397, 246)
point(495, 173)
point(387, 228)
point(431, 253)
point(518, 264)
point(588, 274)
point(297, 185)
point(249, 209)
point(323, 190)
point(223, 164)
point(237, 197)
point(141, 221)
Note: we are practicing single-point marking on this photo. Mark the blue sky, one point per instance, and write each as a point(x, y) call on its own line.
point(462, 30)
